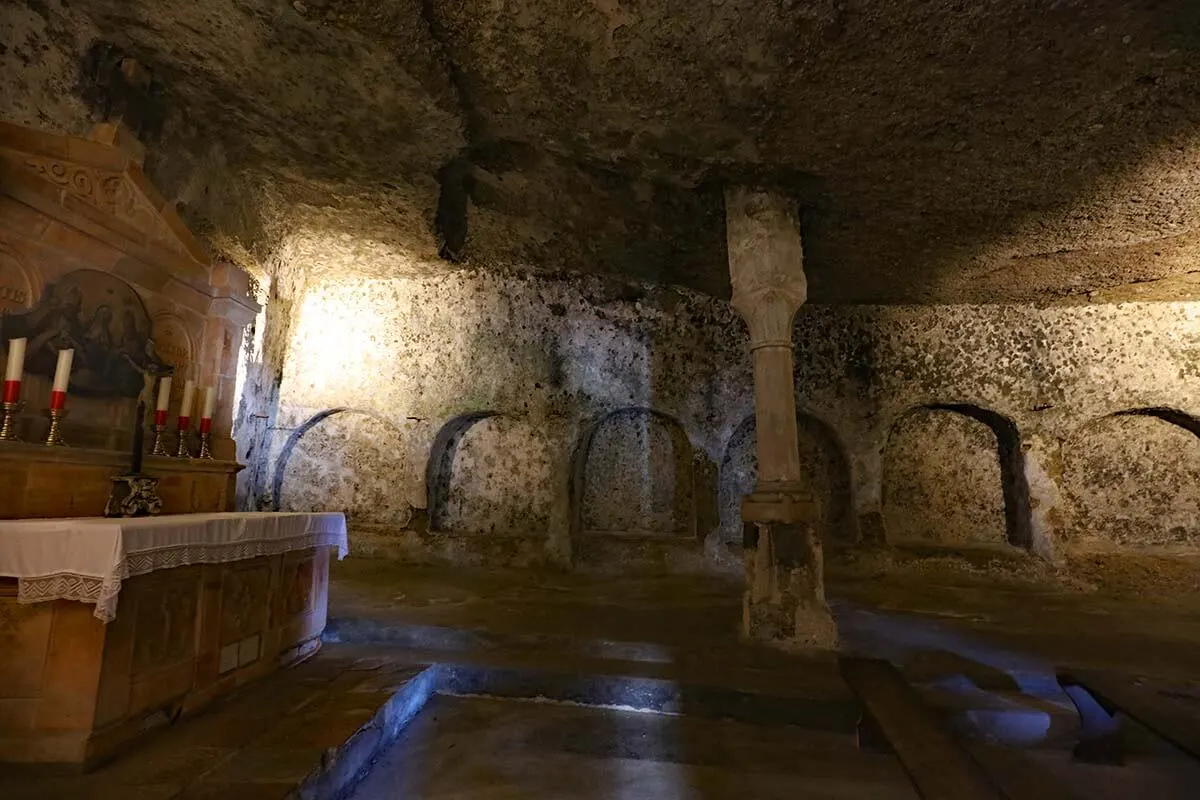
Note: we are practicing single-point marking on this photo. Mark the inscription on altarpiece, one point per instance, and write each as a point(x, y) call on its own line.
point(16, 285)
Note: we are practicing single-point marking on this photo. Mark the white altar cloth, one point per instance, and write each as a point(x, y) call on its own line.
point(86, 558)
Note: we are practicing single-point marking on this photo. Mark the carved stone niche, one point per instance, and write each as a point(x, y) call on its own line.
point(70, 206)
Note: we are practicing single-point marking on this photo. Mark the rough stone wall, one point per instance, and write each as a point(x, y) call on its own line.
point(941, 480)
point(502, 479)
point(1133, 481)
point(39, 66)
point(554, 358)
point(637, 476)
point(345, 461)
point(537, 365)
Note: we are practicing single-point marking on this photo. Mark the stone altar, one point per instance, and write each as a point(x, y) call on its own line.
point(111, 628)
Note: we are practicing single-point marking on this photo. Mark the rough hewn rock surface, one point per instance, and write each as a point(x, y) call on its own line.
point(947, 424)
point(942, 150)
point(941, 480)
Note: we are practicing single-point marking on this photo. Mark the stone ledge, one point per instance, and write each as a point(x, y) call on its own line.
point(30, 452)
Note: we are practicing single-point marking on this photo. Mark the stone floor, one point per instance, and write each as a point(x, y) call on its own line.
point(541, 678)
point(504, 750)
point(259, 743)
point(981, 640)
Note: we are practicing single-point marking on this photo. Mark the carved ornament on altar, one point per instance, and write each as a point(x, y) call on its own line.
point(109, 192)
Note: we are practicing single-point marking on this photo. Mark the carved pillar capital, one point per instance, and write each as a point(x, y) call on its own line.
point(766, 263)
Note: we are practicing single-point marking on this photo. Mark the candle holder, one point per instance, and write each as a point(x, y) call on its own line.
point(205, 452)
point(182, 450)
point(8, 431)
point(54, 435)
point(159, 449)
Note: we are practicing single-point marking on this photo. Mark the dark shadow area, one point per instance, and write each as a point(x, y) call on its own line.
point(440, 470)
point(1174, 416)
point(1017, 522)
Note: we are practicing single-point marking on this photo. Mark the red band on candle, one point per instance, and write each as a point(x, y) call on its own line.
point(185, 423)
point(58, 400)
point(160, 416)
point(206, 424)
point(12, 391)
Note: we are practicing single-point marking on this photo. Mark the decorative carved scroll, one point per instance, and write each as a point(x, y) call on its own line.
point(109, 192)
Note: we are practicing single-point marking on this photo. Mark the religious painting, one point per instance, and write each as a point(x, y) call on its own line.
point(104, 320)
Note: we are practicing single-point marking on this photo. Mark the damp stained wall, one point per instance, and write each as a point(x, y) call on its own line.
point(530, 368)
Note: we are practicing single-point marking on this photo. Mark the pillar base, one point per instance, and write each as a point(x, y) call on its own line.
point(784, 602)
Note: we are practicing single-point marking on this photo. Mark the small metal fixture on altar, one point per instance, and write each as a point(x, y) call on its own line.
point(58, 397)
point(160, 417)
point(13, 371)
point(183, 427)
point(134, 494)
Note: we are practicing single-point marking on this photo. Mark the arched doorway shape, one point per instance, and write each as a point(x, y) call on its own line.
point(491, 473)
point(440, 467)
point(1133, 479)
point(954, 473)
point(345, 459)
point(632, 473)
point(825, 472)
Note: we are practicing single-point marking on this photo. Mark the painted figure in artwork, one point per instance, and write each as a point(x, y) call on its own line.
point(104, 320)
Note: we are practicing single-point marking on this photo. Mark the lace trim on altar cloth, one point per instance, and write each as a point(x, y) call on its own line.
point(103, 591)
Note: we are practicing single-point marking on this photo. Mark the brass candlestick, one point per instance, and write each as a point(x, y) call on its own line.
point(8, 431)
point(54, 436)
point(159, 449)
point(204, 442)
point(182, 451)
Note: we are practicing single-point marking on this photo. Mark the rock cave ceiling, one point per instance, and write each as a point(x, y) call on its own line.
point(941, 150)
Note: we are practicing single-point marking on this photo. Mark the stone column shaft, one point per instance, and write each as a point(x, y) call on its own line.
point(784, 602)
point(775, 416)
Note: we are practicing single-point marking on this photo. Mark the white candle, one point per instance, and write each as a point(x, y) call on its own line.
point(16, 360)
point(189, 394)
point(62, 372)
point(210, 402)
point(164, 394)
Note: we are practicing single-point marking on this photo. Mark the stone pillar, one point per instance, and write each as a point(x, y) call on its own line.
point(784, 603)
point(1043, 473)
point(231, 310)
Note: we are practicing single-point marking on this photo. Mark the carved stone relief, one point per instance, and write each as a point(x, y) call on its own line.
point(297, 587)
point(244, 602)
point(110, 192)
point(103, 319)
point(165, 625)
point(173, 344)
